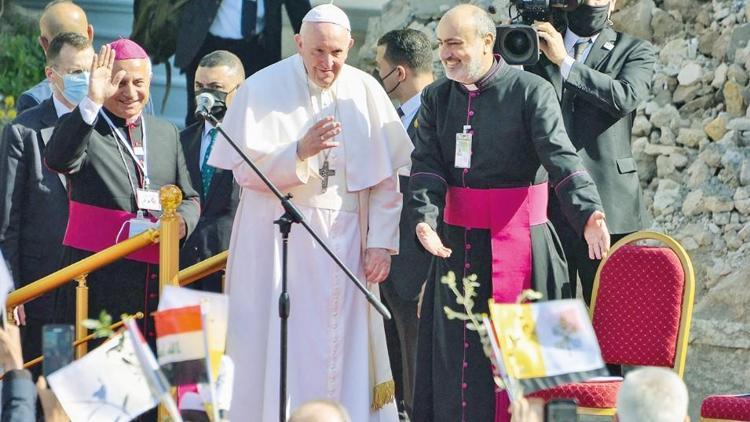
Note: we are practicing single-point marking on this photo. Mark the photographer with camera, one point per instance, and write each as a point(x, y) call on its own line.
point(600, 76)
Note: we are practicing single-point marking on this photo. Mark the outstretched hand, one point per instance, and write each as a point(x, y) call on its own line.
point(431, 241)
point(102, 84)
point(596, 234)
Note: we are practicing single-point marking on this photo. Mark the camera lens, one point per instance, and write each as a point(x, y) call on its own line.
point(517, 42)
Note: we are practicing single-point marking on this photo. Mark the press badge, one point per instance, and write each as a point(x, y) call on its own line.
point(463, 149)
point(148, 200)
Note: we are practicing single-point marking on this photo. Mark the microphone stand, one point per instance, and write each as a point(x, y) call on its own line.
point(291, 216)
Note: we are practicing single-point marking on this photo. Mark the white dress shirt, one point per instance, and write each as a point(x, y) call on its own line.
point(60, 108)
point(410, 108)
point(228, 20)
point(570, 41)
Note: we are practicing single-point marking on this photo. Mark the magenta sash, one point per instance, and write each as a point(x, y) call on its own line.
point(94, 229)
point(509, 214)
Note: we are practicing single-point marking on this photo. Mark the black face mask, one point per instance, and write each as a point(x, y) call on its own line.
point(588, 20)
point(220, 101)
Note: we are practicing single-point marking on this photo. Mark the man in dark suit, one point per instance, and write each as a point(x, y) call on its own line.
point(58, 16)
point(116, 158)
point(248, 28)
point(35, 203)
point(219, 74)
point(404, 62)
point(601, 76)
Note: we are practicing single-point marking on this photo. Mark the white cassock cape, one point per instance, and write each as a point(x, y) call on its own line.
point(336, 340)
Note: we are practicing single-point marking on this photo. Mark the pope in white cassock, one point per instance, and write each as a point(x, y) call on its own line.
point(328, 134)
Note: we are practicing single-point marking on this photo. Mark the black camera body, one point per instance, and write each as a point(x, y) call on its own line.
point(518, 43)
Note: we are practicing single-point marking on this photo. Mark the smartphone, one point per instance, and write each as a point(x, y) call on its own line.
point(57, 347)
point(560, 410)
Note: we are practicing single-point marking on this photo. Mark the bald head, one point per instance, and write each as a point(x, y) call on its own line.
point(320, 411)
point(61, 16)
point(472, 16)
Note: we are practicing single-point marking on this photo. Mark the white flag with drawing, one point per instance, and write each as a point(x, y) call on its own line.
point(108, 384)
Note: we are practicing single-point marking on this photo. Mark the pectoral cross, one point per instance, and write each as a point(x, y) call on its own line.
point(325, 172)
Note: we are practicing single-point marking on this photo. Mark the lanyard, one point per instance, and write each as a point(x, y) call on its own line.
point(142, 166)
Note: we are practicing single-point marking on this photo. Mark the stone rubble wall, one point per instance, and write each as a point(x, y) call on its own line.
point(690, 140)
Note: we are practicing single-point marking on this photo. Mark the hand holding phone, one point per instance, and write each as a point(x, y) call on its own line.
point(57, 346)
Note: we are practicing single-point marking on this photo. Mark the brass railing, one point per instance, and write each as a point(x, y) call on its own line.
point(202, 269)
point(36, 361)
point(167, 236)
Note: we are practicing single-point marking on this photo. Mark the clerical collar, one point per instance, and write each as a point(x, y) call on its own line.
point(119, 121)
point(497, 64)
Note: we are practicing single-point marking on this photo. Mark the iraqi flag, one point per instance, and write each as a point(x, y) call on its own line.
point(181, 345)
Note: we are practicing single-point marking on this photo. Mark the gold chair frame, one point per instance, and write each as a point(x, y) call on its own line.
point(688, 296)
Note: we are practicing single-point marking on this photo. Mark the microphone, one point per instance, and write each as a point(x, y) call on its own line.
point(204, 102)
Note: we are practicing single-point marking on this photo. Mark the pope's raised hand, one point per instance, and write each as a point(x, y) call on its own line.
point(596, 234)
point(318, 137)
point(431, 241)
point(102, 84)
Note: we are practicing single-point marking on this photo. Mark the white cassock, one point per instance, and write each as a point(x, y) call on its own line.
point(336, 339)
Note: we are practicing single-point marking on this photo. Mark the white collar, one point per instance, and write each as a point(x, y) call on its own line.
point(571, 38)
point(60, 108)
point(412, 104)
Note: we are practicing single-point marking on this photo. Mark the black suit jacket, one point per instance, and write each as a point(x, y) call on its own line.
point(598, 100)
point(211, 235)
point(90, 157)
point(408, 268)
point(198, 15)
point(34, 201)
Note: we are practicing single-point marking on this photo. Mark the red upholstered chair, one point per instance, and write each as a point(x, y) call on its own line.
point(641, 310)
point(725, 408)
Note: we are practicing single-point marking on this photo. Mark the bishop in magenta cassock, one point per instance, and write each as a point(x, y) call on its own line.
point(112, 154)
point(490, 147)
point(327, 133)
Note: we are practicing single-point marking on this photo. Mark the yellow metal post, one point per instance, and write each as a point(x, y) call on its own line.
point(82, 313)
point(170, 197)
point(169, 239)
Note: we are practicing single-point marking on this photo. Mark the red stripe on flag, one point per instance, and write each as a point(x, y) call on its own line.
point(178, 320)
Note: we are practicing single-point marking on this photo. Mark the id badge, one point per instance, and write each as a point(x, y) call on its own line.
point(148, 200)
point(463, 150)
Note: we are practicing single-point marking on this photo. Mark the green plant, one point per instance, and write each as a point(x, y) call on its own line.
point(21, 59)
point(21, 62)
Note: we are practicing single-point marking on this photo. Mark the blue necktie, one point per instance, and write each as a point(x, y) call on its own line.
point(207, 171)
point(249, 17)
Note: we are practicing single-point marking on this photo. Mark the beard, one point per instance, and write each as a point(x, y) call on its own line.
point(467, 73)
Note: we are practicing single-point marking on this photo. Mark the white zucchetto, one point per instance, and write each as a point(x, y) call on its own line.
point(328, 13)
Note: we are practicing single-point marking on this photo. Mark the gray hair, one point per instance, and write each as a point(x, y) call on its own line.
point(483, 23)
point(652, 394)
